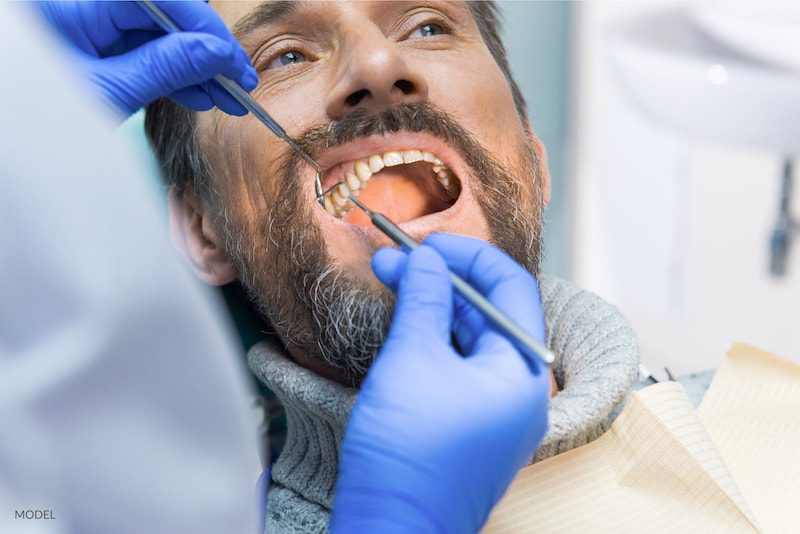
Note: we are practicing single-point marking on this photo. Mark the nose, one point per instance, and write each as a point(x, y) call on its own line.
point(373, 75)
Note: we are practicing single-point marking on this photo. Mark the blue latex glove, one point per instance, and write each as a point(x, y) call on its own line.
point(132, 62)
point(435, 438)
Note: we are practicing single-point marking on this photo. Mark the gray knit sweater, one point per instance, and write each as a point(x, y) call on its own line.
point(597, 361)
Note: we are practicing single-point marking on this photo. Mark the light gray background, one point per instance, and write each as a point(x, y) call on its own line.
point(536, 35)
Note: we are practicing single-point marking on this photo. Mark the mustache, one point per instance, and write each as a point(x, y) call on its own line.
point(408, 117)
point(413, 117)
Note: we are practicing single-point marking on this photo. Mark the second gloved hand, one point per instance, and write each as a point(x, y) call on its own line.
point(436, 437)
point(132, 62)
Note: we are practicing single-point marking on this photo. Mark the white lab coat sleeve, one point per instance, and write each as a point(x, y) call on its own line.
point(124, 406)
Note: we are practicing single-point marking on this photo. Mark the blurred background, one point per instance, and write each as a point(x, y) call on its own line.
point(671, 129)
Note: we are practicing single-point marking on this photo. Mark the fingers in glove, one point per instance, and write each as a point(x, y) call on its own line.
point(176, 61)
point(194, 97)
point(222, 99)
point(424, 298)
point(483, 265)
point(200, 17)
point(389, 265)
point(191, 17)
point(468, 324)
point(504, 283)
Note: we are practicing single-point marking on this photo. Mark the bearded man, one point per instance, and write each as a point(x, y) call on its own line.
point(413, 105)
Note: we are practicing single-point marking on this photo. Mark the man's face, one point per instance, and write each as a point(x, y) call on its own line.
point(372, 90)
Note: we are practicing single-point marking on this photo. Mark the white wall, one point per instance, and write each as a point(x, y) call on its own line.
point(671, 229)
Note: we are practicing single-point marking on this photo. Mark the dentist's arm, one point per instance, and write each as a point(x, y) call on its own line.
point(435, 438)
point(132, 62)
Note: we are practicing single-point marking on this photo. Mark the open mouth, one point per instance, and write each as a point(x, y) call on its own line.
point(403, 184)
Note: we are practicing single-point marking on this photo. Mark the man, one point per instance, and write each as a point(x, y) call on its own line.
point(414, 105)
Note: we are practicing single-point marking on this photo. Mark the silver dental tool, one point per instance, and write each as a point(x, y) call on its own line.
point(521, 339)
point(236, 91)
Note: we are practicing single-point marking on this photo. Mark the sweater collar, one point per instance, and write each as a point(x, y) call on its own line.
point(597, 360)
point(316, 412)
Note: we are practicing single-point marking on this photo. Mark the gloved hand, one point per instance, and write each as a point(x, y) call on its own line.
point(435, 438)
point(132, 62)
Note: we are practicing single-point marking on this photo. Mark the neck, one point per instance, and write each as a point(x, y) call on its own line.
point(301, 357)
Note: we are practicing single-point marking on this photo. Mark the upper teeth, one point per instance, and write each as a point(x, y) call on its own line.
point(356, 177)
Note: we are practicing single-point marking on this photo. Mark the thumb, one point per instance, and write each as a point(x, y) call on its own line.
point(172, 62)
point(424, 307)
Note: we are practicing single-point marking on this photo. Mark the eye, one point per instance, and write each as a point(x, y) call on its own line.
point(286, 58)
point(427, 30)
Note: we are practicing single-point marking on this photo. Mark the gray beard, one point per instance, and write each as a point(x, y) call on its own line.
point(328, 313)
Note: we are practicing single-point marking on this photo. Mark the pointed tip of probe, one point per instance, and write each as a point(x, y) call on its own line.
point(357, 202)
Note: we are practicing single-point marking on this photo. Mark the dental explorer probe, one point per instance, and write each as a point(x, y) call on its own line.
point(236, 91)
point(521, 339)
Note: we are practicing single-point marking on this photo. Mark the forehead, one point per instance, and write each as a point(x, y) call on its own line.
point(242, 16)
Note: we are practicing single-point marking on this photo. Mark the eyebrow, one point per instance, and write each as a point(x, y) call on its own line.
point(270, 12)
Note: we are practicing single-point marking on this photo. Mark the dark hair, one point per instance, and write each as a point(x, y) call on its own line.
point(172, 132)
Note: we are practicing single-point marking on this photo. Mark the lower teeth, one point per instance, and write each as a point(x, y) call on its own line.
point(339, 205)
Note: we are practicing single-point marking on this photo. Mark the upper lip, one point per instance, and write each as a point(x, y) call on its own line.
point(331, 160)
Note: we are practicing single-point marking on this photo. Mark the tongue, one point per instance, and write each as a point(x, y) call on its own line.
point(401, 193)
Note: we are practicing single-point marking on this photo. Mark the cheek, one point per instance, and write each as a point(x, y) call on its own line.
point(251, 183)
point(295, 106)
point(246, 165)
point(473, 89)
